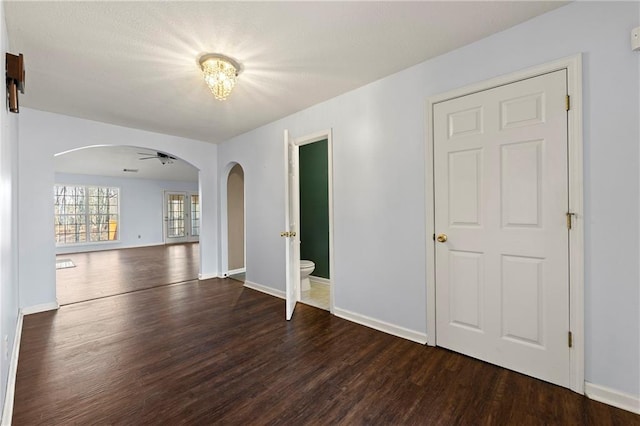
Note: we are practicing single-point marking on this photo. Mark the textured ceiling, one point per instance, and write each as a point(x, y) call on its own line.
point(134, 63)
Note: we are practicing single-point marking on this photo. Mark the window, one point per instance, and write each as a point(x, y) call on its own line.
point(195, 215)
point(85, 214)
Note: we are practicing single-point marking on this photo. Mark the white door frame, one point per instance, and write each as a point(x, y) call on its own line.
point(573, 65)
point(187, 218)
point(192, 238)
point(305, 140)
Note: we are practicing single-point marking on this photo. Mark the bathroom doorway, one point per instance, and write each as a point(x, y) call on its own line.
point(236, 254)
point(314, 221)
point(311, 215)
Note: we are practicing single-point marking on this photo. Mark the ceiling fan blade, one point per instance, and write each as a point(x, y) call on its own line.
point(147, 158)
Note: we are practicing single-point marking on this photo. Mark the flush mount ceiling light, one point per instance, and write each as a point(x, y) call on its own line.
point(220, 73)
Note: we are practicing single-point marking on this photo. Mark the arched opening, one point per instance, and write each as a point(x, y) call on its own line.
point(235, 229)
point(125, 219)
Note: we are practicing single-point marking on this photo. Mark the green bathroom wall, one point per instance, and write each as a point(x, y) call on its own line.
point(314, 206)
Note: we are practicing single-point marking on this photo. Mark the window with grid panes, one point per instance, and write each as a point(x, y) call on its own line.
point(195, 215)
point(86, 214)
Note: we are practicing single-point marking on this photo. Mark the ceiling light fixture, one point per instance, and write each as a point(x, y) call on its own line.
point(220, 73)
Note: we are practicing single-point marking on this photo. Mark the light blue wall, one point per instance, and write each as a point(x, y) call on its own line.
point(379, 139)
point(8, 218)
point(379, 136)
point(141, 202)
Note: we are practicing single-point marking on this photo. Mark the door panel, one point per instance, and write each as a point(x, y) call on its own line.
point(292, 219)
point(465, 280)
point(465, 189)
point(522, 301)
point(521, 184)
point(501, 194)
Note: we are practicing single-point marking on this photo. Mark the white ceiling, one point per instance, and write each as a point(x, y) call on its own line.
point(134, 63)
point(111, 160)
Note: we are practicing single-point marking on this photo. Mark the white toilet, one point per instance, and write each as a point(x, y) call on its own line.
point(306, 268)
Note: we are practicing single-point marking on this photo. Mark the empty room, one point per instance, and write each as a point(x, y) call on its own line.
point(320, 212)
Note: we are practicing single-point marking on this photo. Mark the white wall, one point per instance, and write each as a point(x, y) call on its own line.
point(379, 145)
point(8, 219)
point(141, 209)
point(44, 134)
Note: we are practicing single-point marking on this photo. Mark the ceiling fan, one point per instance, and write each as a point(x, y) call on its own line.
point(164, 158)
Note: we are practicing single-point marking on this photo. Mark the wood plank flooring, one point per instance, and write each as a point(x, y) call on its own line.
point(214, 352)
point(106, 273)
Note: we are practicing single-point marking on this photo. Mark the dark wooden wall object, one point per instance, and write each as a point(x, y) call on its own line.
point(15, 76)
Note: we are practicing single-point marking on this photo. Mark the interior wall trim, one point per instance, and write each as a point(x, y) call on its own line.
point(209, 276)
point(9, 396)
point(91, 248)
point(264, 289)
point(35, 309)
point(612, 397)
point(319, 280)
point(383, 326)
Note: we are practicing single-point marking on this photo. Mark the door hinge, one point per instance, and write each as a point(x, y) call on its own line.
point(570, 339)
point(568, 102)
point(570, 220)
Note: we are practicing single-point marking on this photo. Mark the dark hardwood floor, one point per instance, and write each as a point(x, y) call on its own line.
point(106, 273)
point(214, 352)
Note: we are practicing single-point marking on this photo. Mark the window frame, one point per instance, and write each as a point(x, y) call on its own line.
point(191, 214)
point(87, 215)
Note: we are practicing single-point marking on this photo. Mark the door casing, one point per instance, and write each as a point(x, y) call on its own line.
point(187, 218)
point(573, 65)
point(304, 140)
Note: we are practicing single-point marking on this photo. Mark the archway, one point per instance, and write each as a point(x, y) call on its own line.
point(114, 209)
point(233, 222)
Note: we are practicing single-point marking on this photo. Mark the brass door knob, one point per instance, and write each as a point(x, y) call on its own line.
point(442, 238)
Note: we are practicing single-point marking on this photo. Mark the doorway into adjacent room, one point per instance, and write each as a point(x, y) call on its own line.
point(313, 226)
point(236, 253)
point(125, 219)
point(181, 217)
point(314, 222)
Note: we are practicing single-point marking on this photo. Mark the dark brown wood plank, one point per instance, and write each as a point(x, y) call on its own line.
point(214, 352)
point(110, 272)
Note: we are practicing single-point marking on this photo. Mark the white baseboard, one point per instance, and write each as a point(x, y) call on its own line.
point(7, 411)
point(208, 276)
point(236, 271)
point(52, 306)
point(386, 327)
point(319, 280)
point(264, 289)
point(612, 397)
point(104, 246)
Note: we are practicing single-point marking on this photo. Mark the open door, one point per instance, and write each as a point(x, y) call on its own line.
point(291, 234)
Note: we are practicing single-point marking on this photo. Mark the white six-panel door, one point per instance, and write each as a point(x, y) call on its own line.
point(501, 197)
